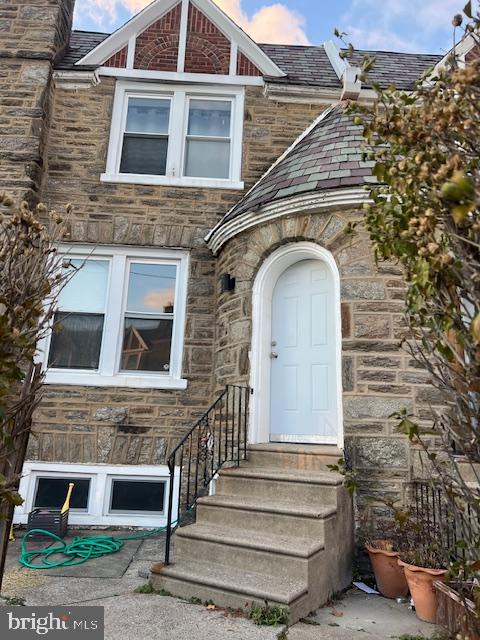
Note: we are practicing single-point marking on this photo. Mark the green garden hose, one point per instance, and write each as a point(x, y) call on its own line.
point(78, 551)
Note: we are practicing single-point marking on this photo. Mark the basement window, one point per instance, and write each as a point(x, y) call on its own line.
point(187, 136)
point(50, 493)
point(119, 495)
point(136, 496)
point(120, 318)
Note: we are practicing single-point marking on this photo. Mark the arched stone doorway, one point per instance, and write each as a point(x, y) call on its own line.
point(296, 374)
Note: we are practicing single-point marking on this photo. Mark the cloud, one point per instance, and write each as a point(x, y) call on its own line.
point(270, 23)
point(158, 300)
point(409, 25)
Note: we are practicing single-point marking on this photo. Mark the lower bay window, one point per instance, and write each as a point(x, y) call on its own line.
point(120, 318)
point(102, 494)
point(183, 136)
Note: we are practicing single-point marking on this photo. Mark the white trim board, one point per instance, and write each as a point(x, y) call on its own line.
point(159, 8)
point(303, 203)
point(461, 49)
point(260, 362)
point(100, 483)
point(174, 76)
point(182, 38)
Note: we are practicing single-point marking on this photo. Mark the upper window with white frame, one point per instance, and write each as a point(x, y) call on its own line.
point(188, 136)
point(120, 319)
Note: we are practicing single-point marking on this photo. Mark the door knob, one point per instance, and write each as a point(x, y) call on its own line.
point(273, 355)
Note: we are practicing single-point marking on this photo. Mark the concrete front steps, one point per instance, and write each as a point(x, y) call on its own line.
point(279, 528)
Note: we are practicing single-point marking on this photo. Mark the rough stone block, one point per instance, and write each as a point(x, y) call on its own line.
point(363, 289)
point(373, 406)
point(371, 326)
point(111, 414)
point(381, 452)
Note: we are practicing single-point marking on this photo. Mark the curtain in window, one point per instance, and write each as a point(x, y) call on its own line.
point(76, 341)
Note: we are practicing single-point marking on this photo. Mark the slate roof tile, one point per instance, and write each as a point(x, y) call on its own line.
point(81, 42)
point(326, 169)
point(304, 65)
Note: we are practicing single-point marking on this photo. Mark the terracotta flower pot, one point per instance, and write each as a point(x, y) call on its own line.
point(420, 581)
point(389, 576)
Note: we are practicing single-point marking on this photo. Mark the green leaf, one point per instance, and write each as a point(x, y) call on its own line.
point(409, 428)
point(467, 9)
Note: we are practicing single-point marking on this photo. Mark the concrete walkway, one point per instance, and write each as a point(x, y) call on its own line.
point(110, 582)
point(358, 616)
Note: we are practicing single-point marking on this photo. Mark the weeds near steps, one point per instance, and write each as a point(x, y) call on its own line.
point(147, 588)
point(268, 615)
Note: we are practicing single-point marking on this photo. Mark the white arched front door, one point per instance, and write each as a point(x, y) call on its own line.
point(296, 348)
point(303, 376)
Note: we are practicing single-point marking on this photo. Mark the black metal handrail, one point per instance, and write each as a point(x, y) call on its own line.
point(217, 438)
point(436, 506)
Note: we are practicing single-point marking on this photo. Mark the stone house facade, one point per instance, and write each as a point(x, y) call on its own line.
point(188, 149)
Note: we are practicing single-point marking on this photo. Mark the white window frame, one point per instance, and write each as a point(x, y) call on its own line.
point(101, 477)
point(179, 95)
point(186, 136)
point(123, 131)
point(108, 373)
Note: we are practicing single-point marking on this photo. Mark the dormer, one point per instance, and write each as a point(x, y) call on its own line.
point(181, 70)
point(189, 37)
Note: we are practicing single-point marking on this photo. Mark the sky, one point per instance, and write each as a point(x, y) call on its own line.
point(422, 26)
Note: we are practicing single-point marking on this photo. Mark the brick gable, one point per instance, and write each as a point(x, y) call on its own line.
point(208, 50)
point(118, 60)
point(157, 47)
point(245, 67)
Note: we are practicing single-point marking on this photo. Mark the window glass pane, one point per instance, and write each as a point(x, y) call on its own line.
point(209, 118)
point(137, 495)
point(148, 115)
point(146, 345)
point(76, 341)
point(207, 159)
point(144, 155)
point(151, 288)
point(86, 290)
point(51, 493)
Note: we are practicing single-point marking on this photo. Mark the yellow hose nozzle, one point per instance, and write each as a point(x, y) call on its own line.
point(66, 504)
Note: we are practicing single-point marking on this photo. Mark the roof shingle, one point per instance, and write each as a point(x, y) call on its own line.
point(329, 156)
point(81, 42)
point(304, 65)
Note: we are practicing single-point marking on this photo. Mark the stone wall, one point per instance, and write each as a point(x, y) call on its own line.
point(87, 424)
point(32, 34)
point(379, 377)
